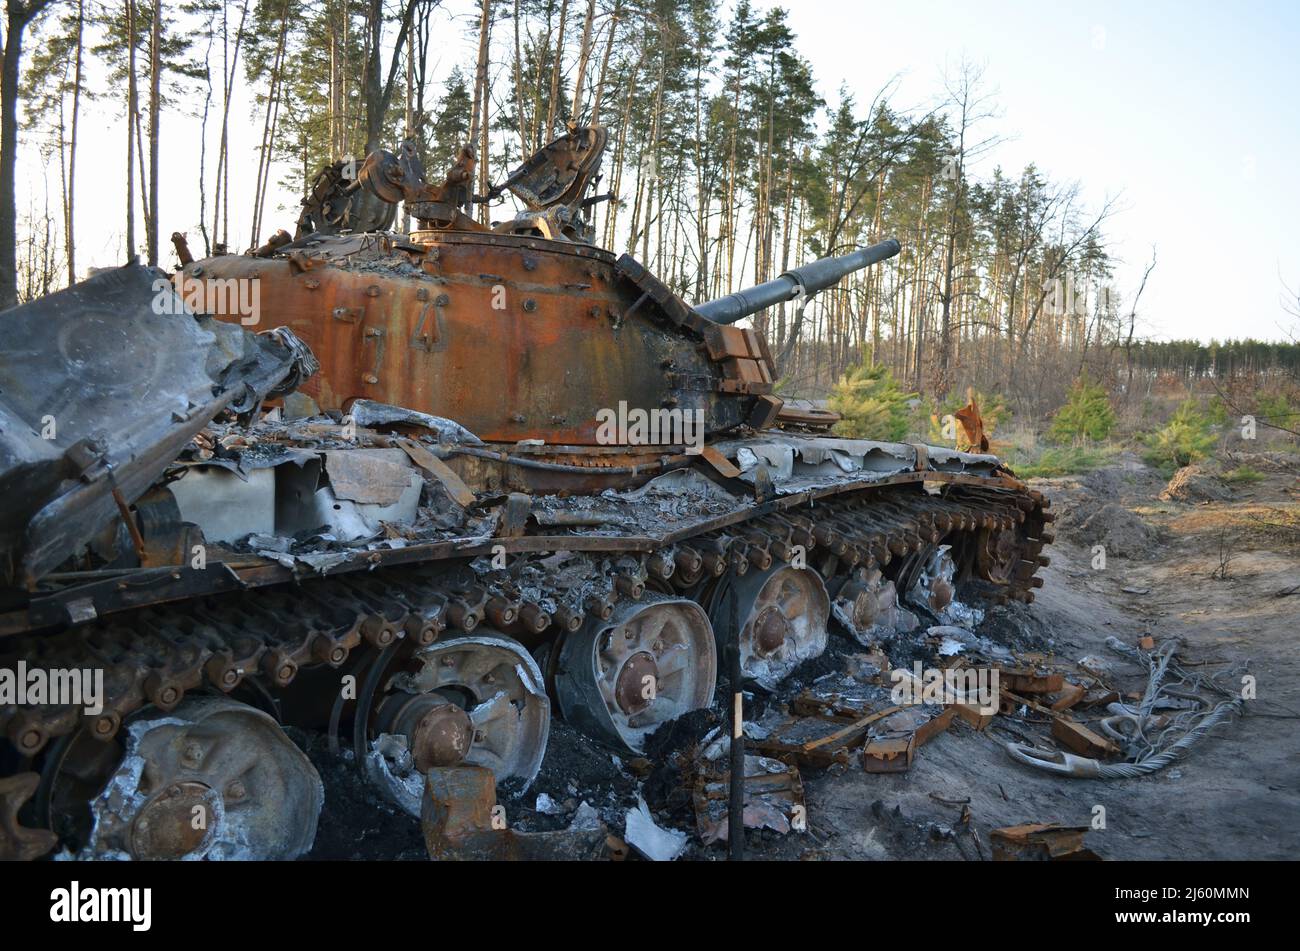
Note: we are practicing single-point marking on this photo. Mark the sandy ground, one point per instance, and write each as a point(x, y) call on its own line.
point(1236, 796)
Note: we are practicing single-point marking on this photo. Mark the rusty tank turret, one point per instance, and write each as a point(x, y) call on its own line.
point(562, 329)
point(487, 475)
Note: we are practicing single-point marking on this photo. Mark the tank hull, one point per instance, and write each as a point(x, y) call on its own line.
point(468, 554)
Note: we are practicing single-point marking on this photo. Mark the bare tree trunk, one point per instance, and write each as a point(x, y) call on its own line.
point(338, 136)
point(519, 89)
point(478, 122)
point(1132, 323)
point(267, 151)
point(701, 193)
point(230, 63)
point(155, 109)
point(203, 142)
point(620, 151)
point(653, 177)
point(485, 131)
point(553, 107)
point(543, 44)
point(730, 220)
point(599, 93)
point(144, 172)
point(422, 35)
point(17, 17)
point(584, 56)
point(409, 119)
point(378, 90)
point(69, 223)
point(634, 229)
point(131, 129)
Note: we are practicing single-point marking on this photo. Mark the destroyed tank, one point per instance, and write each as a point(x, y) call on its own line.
point(474, 477)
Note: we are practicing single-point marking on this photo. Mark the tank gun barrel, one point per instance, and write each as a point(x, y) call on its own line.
point(810, 278)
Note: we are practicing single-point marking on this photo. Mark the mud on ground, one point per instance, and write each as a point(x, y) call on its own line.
point(1223, 575)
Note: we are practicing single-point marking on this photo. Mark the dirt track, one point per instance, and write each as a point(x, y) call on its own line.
point(1236, 796)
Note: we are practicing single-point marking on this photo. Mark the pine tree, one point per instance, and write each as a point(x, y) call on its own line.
point(872, 404)
point(1086, 415)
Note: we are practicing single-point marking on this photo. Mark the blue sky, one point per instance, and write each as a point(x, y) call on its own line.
point(1188, 109)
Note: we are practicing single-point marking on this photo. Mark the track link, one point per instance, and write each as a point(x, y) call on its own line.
point(155, 656)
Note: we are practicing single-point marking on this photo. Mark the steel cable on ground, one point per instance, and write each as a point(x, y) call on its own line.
point(1176, 736)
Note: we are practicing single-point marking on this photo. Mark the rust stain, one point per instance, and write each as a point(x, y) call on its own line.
point(512, 337)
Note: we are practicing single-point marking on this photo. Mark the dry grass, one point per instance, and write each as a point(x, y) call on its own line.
point(1256, 525)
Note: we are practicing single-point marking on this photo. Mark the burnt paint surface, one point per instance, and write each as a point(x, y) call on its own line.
point(514, 338)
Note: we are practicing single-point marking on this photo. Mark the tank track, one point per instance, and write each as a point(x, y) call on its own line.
point(156, 655)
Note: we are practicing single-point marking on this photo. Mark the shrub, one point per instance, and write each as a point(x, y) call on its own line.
point(1186, 438)
point(872, 403)
point(1274, 408)
point(1060, 461)
point(1087, 414)
point(1243, 474)
point(1218, 412)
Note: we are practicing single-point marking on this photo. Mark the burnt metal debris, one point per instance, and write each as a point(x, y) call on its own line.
point(485, 476)
point(102, 386)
